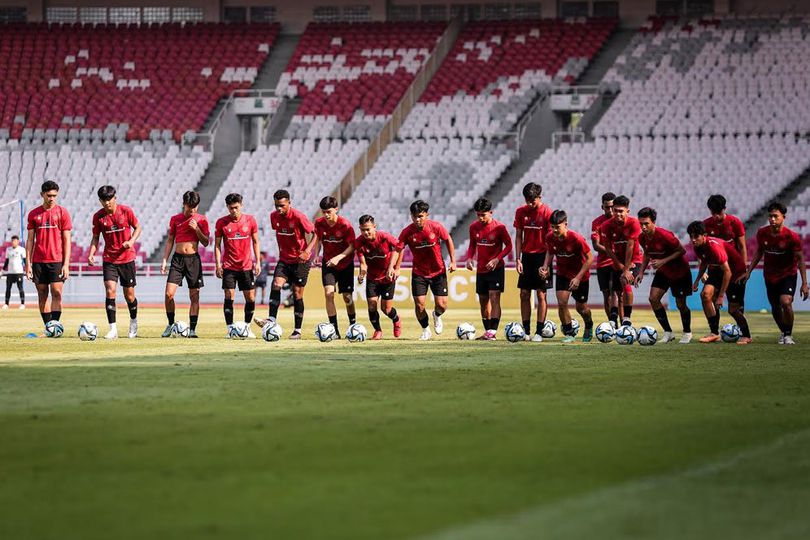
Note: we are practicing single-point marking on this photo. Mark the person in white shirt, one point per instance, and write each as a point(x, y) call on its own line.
point(14, 270)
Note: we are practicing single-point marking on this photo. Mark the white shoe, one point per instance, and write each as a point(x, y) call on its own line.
point(537, 338)
point(788, 341)
point(426, 335)
point(527, 337)
point(5, 307)
point(667, 337)
point(438, 326)
point(686, 338)
point(781, 339)
point(251, 335)
point(228, 331)
point(22, 306)
point(133, 329)
point(112, 334)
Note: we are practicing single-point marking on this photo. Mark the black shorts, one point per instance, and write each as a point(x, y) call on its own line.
point(293, 273)
point(188, 267)
point(12, 279)
point(530, 279)
point(581, 293)
point(735, 291)
point(261, 282)
point(123, 273)
point(436, 284)
point(490, 281)
point(784, 287)
point(243, 278)
point(45, 273)
point(343, 279)
point(680, 287)
point(603, 276)
point(616, 278)
point(380, 290)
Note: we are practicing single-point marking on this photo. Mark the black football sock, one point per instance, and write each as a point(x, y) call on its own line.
point(393, 315)
point(133, 309)
point(250, 308)
point(333, 320)
point(46, 316)
point(527, 326)
point(56, 315)
point(614, 315)
point(494, 322)
point(588, 321)
point(485, 322)
point(352, 315)
point(628, 312)
point(663, 320)
point(193, 321)
point(227, 309)
point(374, 317)
point(714, 324)
point(743, 324)
point(424, 322)
point(438, 311)
point(538, 328)
point(274, 302)
point(109, 305)
point(568, 329)
point(298, 313)
point(686, 320)
point(170, 316)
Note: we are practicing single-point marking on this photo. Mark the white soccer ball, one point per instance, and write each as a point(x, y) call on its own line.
point(647, 335)
point(465, 331)
point(574, 327)
point(625, 335)
point(549, 330)
point(239, 330)
point(356, 333)
point(514, 332)
point(730, 333)
point(605, 332)
point(54, 329)
point(271, 331)
point(180, 329)
point(325, 332)
point(88, 331)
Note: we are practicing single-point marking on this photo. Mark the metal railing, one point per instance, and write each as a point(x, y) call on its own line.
point(560, 137)
point(206, 139)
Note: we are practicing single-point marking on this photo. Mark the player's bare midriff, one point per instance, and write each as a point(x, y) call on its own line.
point(186, 248)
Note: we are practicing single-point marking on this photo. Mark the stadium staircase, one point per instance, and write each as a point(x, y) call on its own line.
point(787, 196)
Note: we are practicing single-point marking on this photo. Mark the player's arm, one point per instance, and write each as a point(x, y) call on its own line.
point(586, 267)
point(805, 290)
point(754, 262)
point(5, 263)
point(361, 276)
point(451, 250)
point(658, 263)
point(742, 248)
point(504, 253)
point(610, 253)
point(218, 254)
point(136, 233)
point(257, 252)
point(202, 235)
point(546, 264)
point(724, 286)
point(309, 238)
point(396, 262)
point(471, 247)
point(348, 252)
point(29, 251)
point(91, 256)
point(628, 260)
point(644, 265)
point(65, 254)
point(700, 273)
point(313, 246)
point(167, 252)
point(518, 249)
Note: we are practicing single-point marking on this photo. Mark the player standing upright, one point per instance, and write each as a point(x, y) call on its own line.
point(490, 240)
point(604, 264)
point(121, 230)
point(14, 270)
point(620, 239)
point(424, 237)
point(782, 249)
point(664, 252)
point(531, 226)
point(235, 265)
point(292, 230)
point(47, 251)
point(187, 230)
point(725, 226)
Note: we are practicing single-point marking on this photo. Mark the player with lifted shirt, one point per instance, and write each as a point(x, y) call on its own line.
point(424, 237)
point(604, 264)
point(619, 236)
point(121, 230)
point(187, 230)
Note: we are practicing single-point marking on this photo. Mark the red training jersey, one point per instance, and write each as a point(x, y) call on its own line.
point(571, 252)
point(779, 250)
point(615, 235)
point(116, 229)
point(426, 247)
point(602, 260)
point(660, 245)
point(729, 229)
point(534, 222)
point(48, 226)
point(237, 240)
point(488, 241)
point(178, 226)
point(335, 239)
point(291, 229)
point(377, 253)
point(715, 252)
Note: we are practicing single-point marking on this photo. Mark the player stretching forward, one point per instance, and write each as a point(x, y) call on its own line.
point(490, 239)
point(782, 249)
point(336, 234)
point(531, 226)
point(48, 251)
point(424, 238)
point(664, 252)
point(187, 230)
point(292, 228)
point(14, 269)
point(620, 239)
point(121, 230)
point(574, 260)
point(239, 233)
point(604, 264)
point(725, 268)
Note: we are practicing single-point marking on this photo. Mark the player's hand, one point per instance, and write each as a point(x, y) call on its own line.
point(192, 223)
point(163, 267)
point(639, 279)
point(805, 292)
point(470, 264)
point(742, 279)
point(331, 263)
point(29, 273)
point(543, 272)
point(656, 263)
point(493, 264)
point(304, 255)
point(628, 277)
point(695, 285)
point(127, 244)
point(574, 284)
point(519, 266)
point(452, 267)
point(257, 269)
point(91, 260)
point(361, 277)
point(218, 271)
point(65, 272)
point(704, 278)
point(719, 300)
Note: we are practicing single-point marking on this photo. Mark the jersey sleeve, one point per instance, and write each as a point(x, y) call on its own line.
point(672, 241)
point(471, 244)
point(132, 219)
point(65, 223)
point(218, 228)
point(737, 228)
point(31, 224)
point(760, 239)
point(796, 241)
point(634, 231)
point(596, 231)
point(518, 224)
point(442, 232)
point(305, 223)
point(173, 226)
point(403, 238)
point(205, 227)
point(350, 236)
point(96, 224)
point(396, 243)
point(586, 248)
point(254, 226)
point(507, 242)
point(717, 254)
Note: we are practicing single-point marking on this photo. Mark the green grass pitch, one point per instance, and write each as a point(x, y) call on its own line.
point(209, 438)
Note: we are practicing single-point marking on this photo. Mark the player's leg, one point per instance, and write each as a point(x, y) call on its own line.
point(581, 302)
point(44, 301)
point(657, 293)
point(627, 302)
point(331, 309)
point(786, 307)
point(542, 309)
point(565, 314)
point(526, 310)
point(227, 305)
point(56, 300)
point(707, 298)
point(21, 290)
point(736, 308)
point(248, 289)
point(9, 283)
point(346, 289)
point(494, 311)
point(132, 307)
point(438, 286)
point(193, 311)
point(298, 310)
point(603, 279)
point(374, 317)
point(110, 291)
point(168, 301)
point(280, 278)
point(485, 307)
point(194, 280)
point(391, 312)
point(419, 289)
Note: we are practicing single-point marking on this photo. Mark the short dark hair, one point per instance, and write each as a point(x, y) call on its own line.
point(622, 201)
point(15, 237)
point(49, 185)
point(557, 217)
point(696, 228)
point(648, 212)
point(233, 198)
point(482, 205)
point(191, 199)
point(419, 206)
point(531, 191)
point(608, 196)
point(716, 203)
point(281, 194)
point(105, 193)
point(365, 218)
point(776, 205)
point(328, 202)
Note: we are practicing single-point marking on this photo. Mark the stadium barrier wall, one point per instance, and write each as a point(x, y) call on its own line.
point(756, 299)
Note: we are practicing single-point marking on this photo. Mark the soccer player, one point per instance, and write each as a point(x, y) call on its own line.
point(604, 264)
point(664, 252)
point(292, 231)
point(238, 233)
point(490, 240)
point(725, 267)
point(378, 252)
point(187, 230)
point(121, 230)
point(619, 236)
point(725, 226)
point(574, 260)
point(531, 226)
point(424, 238)
point(336, 234)
point(47, 251)
point(782, 249)
point(14, 269)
